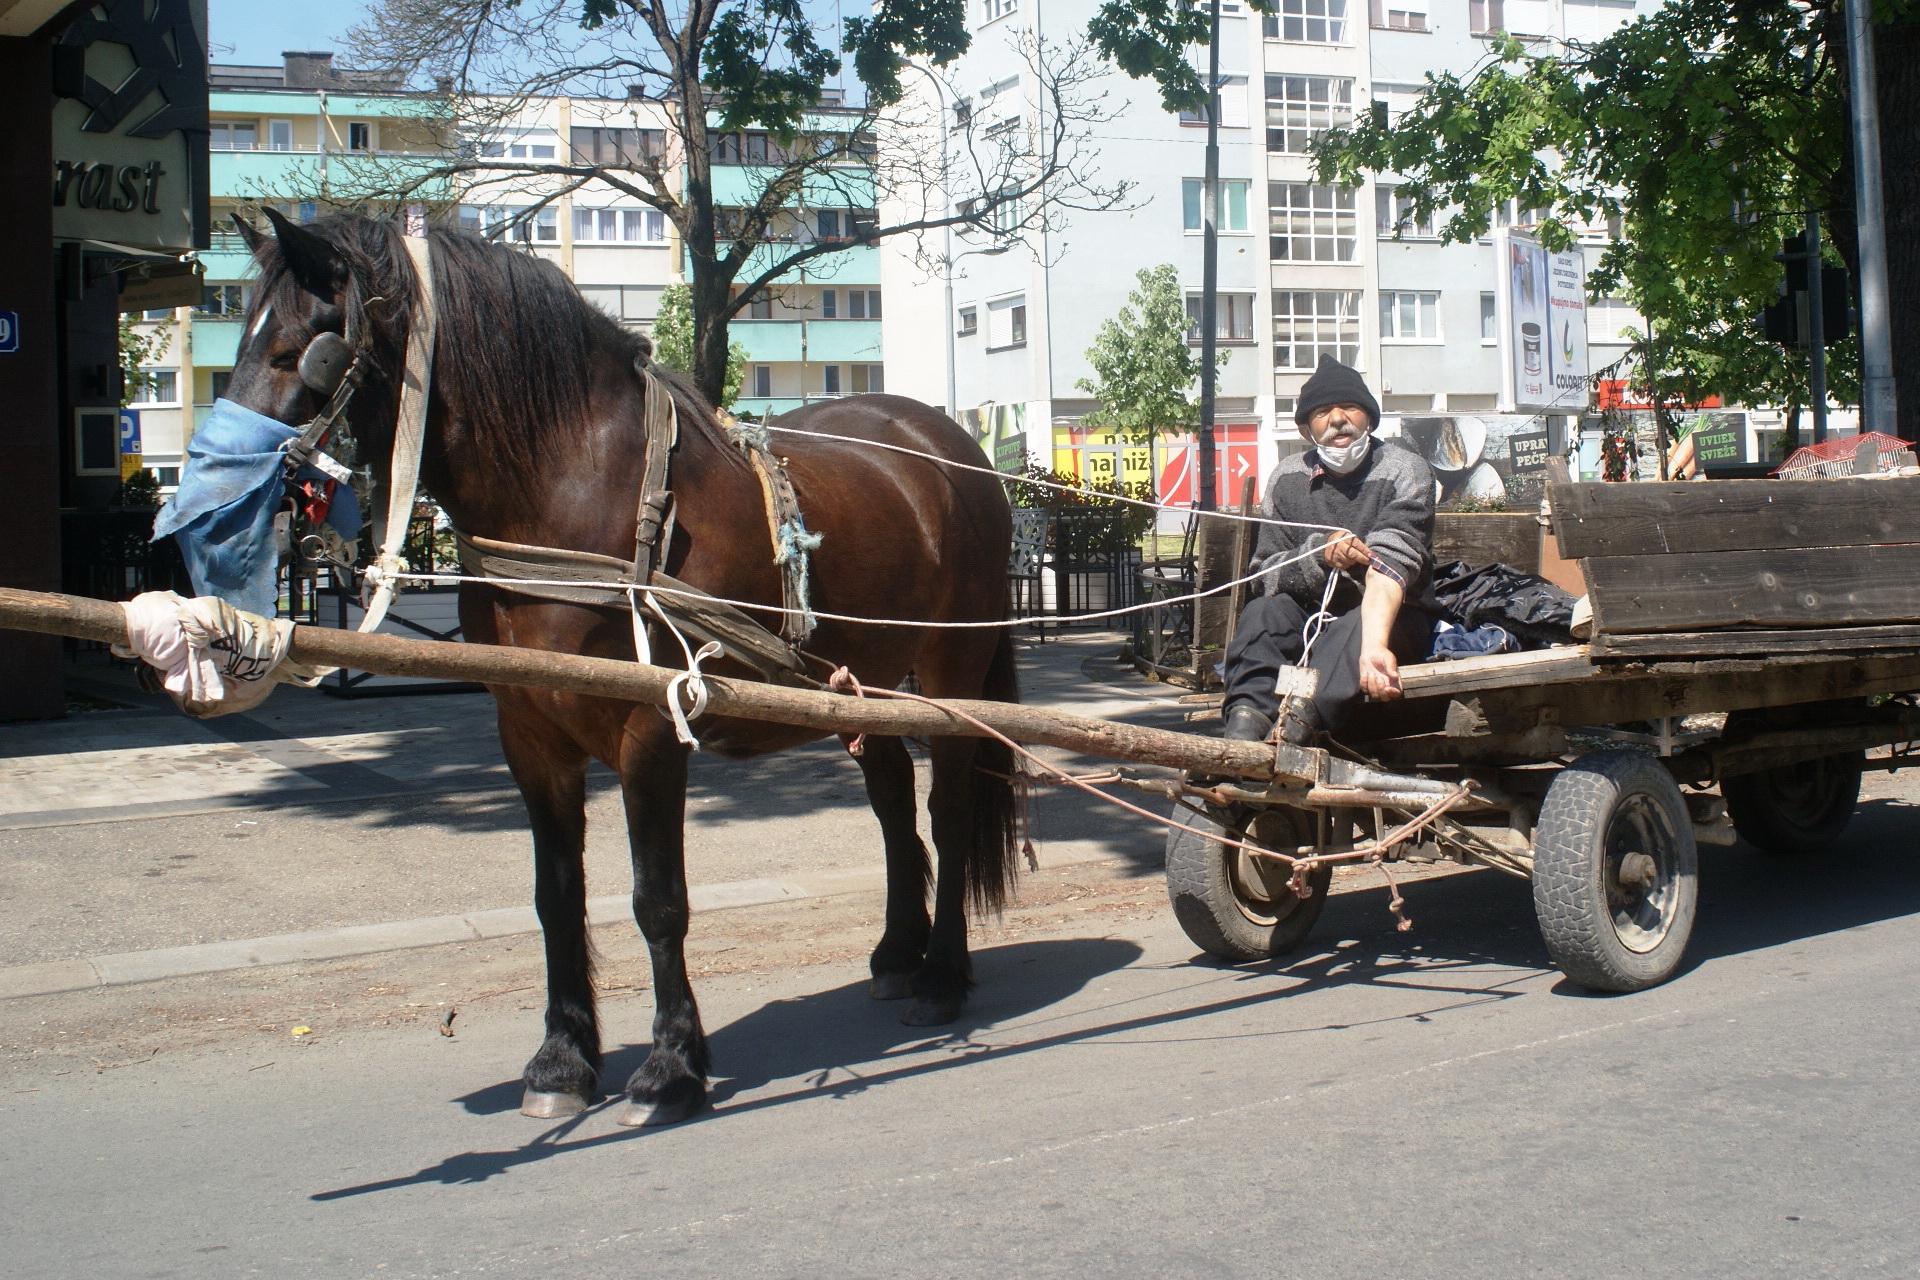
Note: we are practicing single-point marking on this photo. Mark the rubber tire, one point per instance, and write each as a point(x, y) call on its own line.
point(1211, 909)
point(1770, 814)
point(1569, 862)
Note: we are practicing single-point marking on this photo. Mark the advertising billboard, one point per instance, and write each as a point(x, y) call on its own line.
point(1542, 320)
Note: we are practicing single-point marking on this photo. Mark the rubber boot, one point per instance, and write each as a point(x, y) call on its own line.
point(1245, 723)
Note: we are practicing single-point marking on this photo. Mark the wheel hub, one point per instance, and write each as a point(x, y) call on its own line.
point(1640, 874)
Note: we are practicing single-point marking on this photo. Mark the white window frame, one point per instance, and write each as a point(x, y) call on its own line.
point(1007, 322)
point(274, 126)
point(763, 381)
point(1329, 324)
point(830, 384)
point(997, 9)
point(1233, 105)
point(873, 376)
point(80, 416)
point(1232, 320)
point(1486, 17)
point(1306, 106)
point(220, 135)
point(623, 217)
point(1489, 322)
point(966, 322)
point(1393, 211)
point(1404, 309)
point(1308, 22)
point(146, 390)
point(373, 137)
point(1411, 15)
point(1193, 206)
point(1309, 213)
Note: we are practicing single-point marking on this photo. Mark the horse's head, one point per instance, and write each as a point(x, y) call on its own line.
point(325, 295)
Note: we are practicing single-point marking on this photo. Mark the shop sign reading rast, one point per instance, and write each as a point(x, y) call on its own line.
point(130, 126)
point(1542, 312)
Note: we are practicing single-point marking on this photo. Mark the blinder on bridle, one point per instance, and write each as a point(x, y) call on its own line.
point(324, 364)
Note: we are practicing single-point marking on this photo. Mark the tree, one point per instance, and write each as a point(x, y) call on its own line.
point(1143, 366)
point(137, 351)
point(673, 343)
point(752, 73)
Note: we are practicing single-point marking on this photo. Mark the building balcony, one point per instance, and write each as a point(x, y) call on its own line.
point(850, 187)
point(814, 341)
point(295, 175)
point(214, 341)
point(857, 265)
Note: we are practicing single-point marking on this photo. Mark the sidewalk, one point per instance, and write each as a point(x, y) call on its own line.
point(134, 758)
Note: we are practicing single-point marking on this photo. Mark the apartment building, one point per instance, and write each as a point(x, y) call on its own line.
point(1304, 269)
point(305, 136)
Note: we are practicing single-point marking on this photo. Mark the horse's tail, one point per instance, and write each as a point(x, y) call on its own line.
point(993, 859)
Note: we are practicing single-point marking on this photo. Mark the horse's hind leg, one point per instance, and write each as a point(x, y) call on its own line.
point(888, 769)
point(563, 1077)
point(672, 1083)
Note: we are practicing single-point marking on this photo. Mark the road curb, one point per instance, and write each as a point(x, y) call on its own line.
point(59, 977)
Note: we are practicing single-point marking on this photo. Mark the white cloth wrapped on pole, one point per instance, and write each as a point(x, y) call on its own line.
point(214, 659)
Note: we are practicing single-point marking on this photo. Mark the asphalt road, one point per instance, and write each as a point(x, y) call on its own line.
point(1435, 1103)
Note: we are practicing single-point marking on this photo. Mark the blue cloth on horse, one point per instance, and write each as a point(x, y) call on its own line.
point(1450, 641)
point(222, 514)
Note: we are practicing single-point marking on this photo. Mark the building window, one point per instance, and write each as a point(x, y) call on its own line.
point(619, 226)
point(511, 222)
point(1484, 17)
point(1308, 22)
point(1007, 323)
point(1396, 99)
point(1301, 108)
point(219, 380)
point(1612, 320)
point(829, 304)
point(760, 306)
point(1232, 214)
point(863, 304)
point(1308, 222)
point(1310, 323)
point(228, 300)
point(1233, 105)
point(1489, 328)
point(1409, 316)
point(158, 386)
point(969, 321)
point(522, 149)
point(543, 227)
point(616, 146)
point(157, 313)
point(232, 135)
point(1232, 317)
point(830, 379)
point(279, 135)
point(1399, 15)
point(359, 136)
point(750, 146)
point(96, 442)
point(999, 8)
point(868, 378)
point(763, 381)
point(1393, 215)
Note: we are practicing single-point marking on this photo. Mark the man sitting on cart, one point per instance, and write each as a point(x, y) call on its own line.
point(1377, 499)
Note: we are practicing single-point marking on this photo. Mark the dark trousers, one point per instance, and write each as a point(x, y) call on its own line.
point(1270, 635)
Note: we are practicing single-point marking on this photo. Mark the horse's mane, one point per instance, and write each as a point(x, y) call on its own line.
point(517, 343)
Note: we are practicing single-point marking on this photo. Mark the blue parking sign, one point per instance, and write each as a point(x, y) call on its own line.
point(9, 332)
point(129, 432)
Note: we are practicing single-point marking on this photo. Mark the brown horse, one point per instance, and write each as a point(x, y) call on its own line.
point(535, 435)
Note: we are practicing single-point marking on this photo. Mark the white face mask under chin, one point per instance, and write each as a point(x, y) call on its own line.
point(1342, 459)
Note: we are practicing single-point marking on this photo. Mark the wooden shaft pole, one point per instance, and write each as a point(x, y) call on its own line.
point(103, 621)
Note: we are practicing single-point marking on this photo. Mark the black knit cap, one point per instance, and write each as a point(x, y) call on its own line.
point(1335, 383)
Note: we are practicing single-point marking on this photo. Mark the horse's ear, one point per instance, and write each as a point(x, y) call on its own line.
point(249, 234)
point(310, 258)
point(645, 356)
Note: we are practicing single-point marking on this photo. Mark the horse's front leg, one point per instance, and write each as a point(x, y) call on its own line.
point(671, 1084)
point(563, 1077)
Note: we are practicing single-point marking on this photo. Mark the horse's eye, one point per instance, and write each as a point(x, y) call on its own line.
point(285, 360)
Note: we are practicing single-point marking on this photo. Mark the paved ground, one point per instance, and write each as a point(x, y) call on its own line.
point(1436, 1103)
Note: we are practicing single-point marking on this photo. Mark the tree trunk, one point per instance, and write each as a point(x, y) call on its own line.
point(709, 303)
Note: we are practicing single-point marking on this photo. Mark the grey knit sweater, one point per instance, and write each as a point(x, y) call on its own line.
point(1388, 502)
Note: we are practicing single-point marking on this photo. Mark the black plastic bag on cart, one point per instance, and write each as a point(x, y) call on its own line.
point(1535, 612)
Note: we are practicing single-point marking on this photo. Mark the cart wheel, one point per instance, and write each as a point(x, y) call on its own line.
point(1232, 904)
point(1615, 872)
point(1795, 809)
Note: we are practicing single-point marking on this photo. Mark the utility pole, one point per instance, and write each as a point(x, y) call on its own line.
point(1878, 409)
point(1210, 265)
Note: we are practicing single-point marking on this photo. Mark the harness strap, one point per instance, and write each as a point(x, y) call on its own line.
point(653, 529)
point(792, 544)
point(409, 431)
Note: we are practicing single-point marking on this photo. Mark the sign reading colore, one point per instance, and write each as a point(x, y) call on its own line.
point(1542, 306)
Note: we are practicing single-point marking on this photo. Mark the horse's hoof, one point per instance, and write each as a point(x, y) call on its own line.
point(551, 1106)
point(652, 1115)
point(890, 986)
point(928, 1011)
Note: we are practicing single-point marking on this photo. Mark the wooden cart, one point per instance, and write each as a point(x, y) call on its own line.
point(1752, 641)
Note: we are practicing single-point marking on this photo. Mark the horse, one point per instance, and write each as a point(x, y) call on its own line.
point(535, 433)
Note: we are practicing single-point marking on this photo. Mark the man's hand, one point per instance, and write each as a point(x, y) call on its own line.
point(1345, 550)
point(1379, 673)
